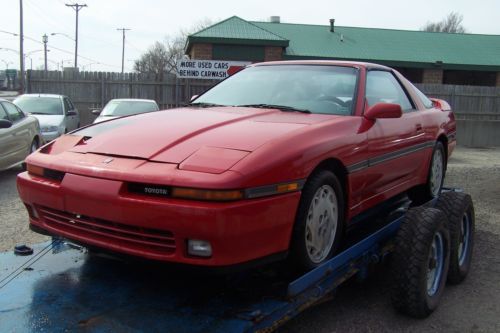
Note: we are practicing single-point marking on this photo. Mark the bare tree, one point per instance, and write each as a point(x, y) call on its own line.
point(154, 60)
point(163, 57)
point(452, 24)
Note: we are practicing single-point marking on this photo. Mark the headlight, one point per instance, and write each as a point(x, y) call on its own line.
point(50, 128)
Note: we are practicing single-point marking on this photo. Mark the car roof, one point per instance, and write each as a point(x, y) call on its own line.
point(133, 100)
point(42, 95)
point(356, 64)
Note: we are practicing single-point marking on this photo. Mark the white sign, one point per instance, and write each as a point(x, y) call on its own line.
point(208, 69)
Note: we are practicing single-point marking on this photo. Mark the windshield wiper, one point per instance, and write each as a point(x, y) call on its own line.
point(274, 106)
point(37, 113)
point(205, 105)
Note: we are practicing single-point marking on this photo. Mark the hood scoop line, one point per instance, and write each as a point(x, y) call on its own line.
point(204, 129)
point(120, 156)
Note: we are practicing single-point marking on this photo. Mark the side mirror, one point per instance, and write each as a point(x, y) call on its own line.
point(96, 112)
point(71, 113)
point(4, 123)
point(193, 98)
point(384, 111)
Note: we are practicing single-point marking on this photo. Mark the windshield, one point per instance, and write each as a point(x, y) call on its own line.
point(126, 108)
point(313, 88)
point(40, 105)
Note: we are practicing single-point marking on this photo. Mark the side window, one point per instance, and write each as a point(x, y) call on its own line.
point(13, 112)
point(382, 87)
point(71, 106)
point(67, 106)
point(3, 114)
point(426, 101)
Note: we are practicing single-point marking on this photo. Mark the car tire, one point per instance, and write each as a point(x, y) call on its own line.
point(33, 147)
point(319, 221)
point(420, 262)
point(459, 209)
point(435, 177)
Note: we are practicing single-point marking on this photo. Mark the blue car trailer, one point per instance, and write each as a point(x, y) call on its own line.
point(62, 287)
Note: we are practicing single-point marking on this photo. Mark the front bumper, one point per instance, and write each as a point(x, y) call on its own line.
point(102, 213)
point(49, 136)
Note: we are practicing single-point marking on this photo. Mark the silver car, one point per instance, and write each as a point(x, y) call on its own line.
point(121, 107)
point(56, 113)
point(19, 135)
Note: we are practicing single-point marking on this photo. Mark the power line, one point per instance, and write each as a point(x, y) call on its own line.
point(77, 7)
point(69, 52)
point(133, 46)
point(123, 45)
point(61, 50)
point(46, 17)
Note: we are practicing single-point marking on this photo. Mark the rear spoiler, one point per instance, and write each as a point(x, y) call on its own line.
point(441, 104)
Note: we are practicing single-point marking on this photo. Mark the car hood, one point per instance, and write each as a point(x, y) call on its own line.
point(49, 120)
point(201, 134)
point(103, 118)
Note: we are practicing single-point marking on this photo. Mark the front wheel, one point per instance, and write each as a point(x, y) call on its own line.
point(319, 221)
point(34, 146)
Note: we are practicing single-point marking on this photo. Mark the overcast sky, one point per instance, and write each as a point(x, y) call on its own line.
point(152, 20)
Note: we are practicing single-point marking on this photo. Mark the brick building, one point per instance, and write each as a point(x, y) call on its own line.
point(423, 57)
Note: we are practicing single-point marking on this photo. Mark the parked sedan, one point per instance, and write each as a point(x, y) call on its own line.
point(278, 160)
point(56, 113)
point(19, 135)
point(125, 107)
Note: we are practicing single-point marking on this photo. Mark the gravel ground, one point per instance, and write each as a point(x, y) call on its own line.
point(474, 306)
point(13, 216)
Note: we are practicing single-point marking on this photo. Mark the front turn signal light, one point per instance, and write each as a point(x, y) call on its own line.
point(209, 195)
point(35, 170)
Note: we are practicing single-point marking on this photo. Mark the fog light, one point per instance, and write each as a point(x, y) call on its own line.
point(199, 248)
point(31, 211)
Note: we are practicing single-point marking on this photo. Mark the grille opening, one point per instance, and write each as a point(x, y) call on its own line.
point(155, 240)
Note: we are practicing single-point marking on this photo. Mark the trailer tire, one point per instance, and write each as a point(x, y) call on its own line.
point(420, 262)
point(459, 209)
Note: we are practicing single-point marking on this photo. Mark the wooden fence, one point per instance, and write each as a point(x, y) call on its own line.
point(92, 90)
point(468, 102)
point(477, 109)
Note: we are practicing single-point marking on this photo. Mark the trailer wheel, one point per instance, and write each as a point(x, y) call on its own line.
point(420, 262)
point(459, 209)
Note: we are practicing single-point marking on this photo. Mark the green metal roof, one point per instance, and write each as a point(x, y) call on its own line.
point(394, 47)
point(388, 45)
point(235, 30)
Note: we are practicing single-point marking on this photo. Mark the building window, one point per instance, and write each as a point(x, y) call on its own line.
point(414, 75)
point(469, 78)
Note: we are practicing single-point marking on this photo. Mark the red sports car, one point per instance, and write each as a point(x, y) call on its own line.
point(277, 160)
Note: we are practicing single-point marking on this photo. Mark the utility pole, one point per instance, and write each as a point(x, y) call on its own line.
point(123, 45)
point(77, 8)
point(45, 40)
point(21, 50)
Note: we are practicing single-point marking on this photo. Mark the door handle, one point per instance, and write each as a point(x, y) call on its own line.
point(418, 127)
